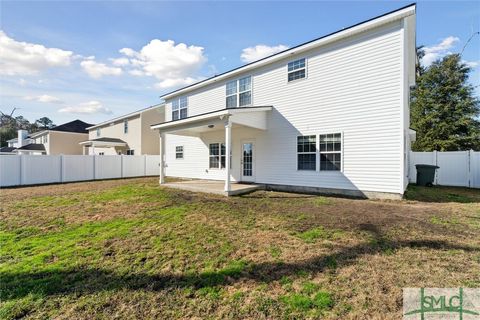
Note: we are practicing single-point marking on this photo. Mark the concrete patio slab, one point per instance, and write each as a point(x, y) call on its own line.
point(211, 186)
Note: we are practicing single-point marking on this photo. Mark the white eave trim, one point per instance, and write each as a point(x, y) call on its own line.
point(375, 22)
point(212, 115)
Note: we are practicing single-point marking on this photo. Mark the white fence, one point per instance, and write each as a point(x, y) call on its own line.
point(29, 169)
point(457, 168)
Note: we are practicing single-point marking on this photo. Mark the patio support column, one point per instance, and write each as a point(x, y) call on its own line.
point(161, 179)
point(84, 150)
point(228, 148)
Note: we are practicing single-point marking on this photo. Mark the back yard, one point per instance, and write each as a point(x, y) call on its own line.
point(130, 249)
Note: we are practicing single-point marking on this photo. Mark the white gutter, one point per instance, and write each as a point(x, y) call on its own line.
point(376, 22)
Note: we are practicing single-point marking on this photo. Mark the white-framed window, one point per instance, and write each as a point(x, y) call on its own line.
point(130, 152)
point(307, 153)
point(297, 70)
point(45, 138)
point(330, 148)
point(216, 156)
point(178, 152)
point(179, 108)
point(125, 126)
point(239, 92)
point(98, 132)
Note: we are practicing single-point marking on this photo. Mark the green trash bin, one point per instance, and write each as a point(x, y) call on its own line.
point(425, 174)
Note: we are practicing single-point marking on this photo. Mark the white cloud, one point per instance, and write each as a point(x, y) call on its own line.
point(179, 82)
point(90, 107)
point(438, 51)
point(260, 51)
point(120, 62)
point(172, 64)
point(44, 98)
point(23, 58)
point(97, 70)
point(471, 64)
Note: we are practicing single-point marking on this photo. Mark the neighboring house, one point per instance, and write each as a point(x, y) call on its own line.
point(12, 144)
point(22, 139)
point(62, 139)
point(129, 134)
point(330, 115)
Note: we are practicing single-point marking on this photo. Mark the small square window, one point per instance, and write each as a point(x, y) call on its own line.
point(296, 70)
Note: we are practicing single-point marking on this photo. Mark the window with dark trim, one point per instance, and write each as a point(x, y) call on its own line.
point(179, 108)
point(239, 92)
point(178, 152)
point(125, 126)
point(216, 156)
point(331, 152)
point(307, 153)
point(130, 152)
point(297, 70)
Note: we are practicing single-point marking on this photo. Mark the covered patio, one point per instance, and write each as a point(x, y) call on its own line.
point(114, 145)
point(224, 180)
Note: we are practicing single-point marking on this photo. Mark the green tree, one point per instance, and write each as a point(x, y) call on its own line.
point(444, 108)
point(45, 123)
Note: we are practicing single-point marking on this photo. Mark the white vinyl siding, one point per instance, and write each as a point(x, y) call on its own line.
point(354, 88)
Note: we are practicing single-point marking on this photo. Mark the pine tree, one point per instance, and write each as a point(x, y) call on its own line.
point(444, 108)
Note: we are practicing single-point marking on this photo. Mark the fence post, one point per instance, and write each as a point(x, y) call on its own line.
point(121, 166)
point(144, 165)
point(470, 168)
point(20, 172)
point(94, 169)
point(435, 162)
point(61, 168)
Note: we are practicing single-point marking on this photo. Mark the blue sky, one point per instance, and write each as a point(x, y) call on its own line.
point(97, 60)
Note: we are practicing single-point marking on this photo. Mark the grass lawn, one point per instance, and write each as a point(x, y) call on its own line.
point(130, 249)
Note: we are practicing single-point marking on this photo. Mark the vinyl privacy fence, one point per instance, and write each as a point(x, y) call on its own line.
point(34, 169)
point(457, 168)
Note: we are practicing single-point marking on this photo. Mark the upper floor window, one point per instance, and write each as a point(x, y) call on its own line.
point(125, 126)
point(45, 138)
point(239, 92)
point(179, 108)
point(98, 132)
point(296, 70)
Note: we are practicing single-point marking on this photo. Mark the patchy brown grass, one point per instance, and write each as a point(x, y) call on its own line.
point(130, 249)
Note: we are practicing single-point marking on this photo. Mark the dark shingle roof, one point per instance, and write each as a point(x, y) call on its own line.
point(33, 146)
point(7, 149)
point(109, 140)
point(73, 126)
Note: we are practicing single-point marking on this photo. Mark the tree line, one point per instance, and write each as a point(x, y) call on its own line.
point(9, 126)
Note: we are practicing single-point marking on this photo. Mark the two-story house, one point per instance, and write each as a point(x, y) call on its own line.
point(330, 116)
point(129, 134)
point(61, 139)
